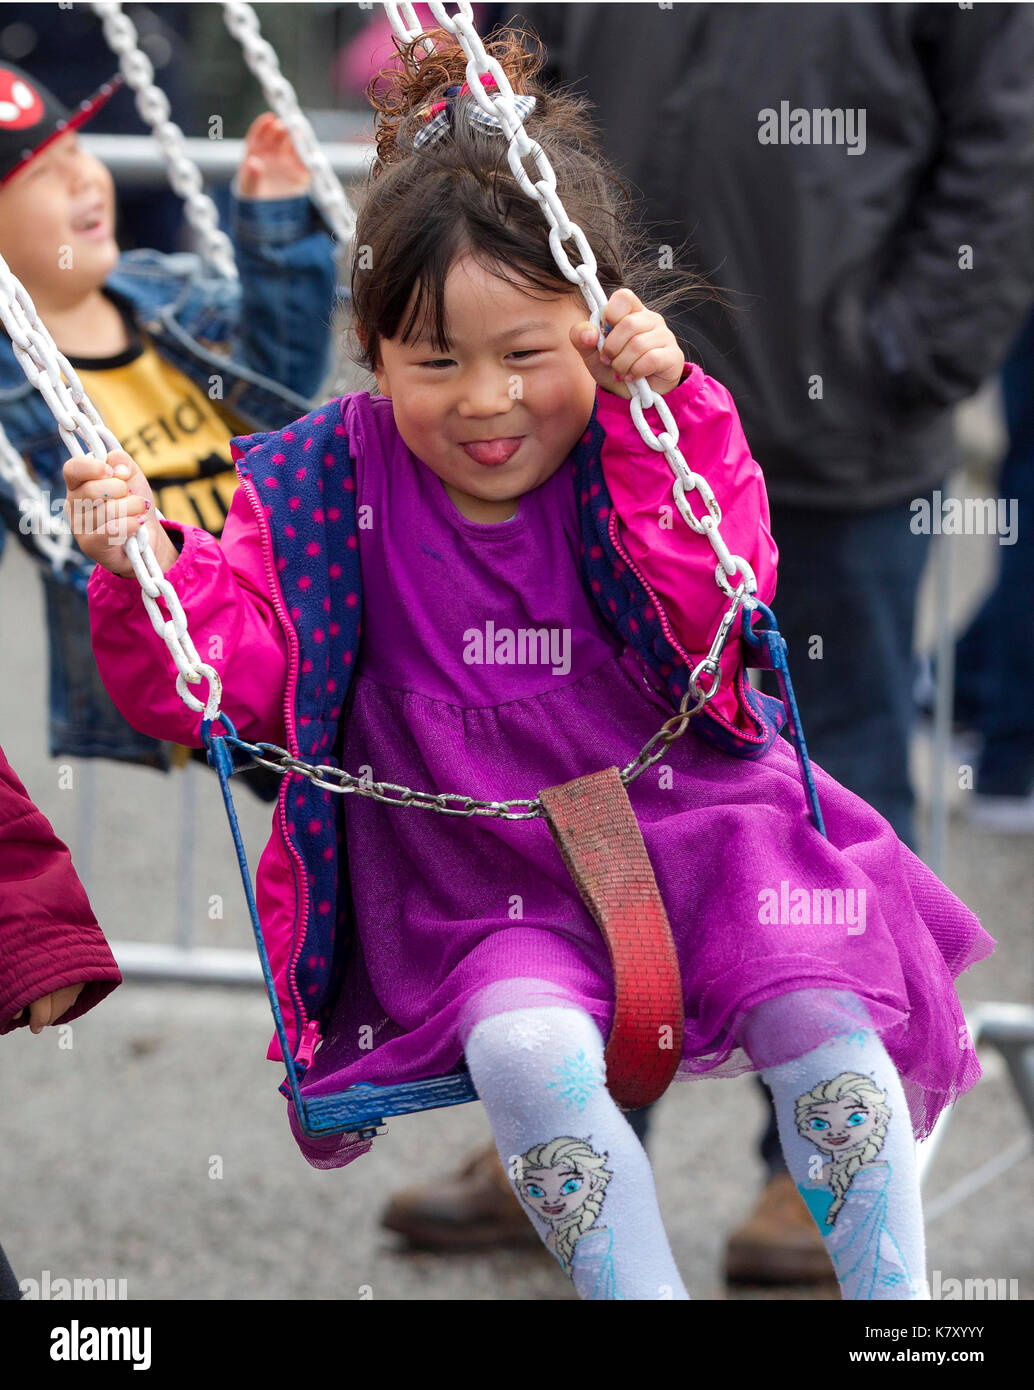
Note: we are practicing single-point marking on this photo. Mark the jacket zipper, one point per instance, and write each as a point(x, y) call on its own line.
point(612, 531)
point(292, 744)
point(307, 1047)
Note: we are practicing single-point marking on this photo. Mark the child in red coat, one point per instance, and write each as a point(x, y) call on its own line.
point(54, 961)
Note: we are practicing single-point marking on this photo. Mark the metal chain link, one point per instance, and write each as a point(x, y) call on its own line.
point(83, 432)
point(153, 106)
point(407, 26)
point(327, 192)
point(52, 536)
point(336, 779)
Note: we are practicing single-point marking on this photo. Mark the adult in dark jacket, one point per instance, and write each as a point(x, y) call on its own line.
point(875, 282)
point(859, 181)
point(54, 961)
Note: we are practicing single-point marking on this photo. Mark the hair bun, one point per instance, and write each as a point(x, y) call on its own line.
point(413, 85)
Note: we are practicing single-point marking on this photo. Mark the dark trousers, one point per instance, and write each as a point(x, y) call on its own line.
point(846, 605)
point(994, 658)
point(852, 581)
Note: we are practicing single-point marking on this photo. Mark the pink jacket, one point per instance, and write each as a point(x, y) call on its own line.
point(276, 608)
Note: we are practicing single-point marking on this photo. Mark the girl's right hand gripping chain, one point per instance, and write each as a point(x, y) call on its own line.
point(108, 501)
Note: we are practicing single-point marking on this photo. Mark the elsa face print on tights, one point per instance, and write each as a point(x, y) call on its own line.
point(839, 1126)
point(555, 1194)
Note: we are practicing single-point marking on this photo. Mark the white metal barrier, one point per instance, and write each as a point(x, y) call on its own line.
point(134, 159)
point(1009, 1029)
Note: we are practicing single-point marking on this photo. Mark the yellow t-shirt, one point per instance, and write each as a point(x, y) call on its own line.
point(179, 437)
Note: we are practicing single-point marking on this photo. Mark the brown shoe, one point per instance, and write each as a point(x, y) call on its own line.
point(779, 1243)
point(476, 1207)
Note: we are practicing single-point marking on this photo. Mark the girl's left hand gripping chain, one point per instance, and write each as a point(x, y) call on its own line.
point(638, 344)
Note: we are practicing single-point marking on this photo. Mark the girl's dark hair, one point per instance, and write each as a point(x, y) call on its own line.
point(425, 207)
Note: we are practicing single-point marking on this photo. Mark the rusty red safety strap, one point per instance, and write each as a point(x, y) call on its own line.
point(592, 821)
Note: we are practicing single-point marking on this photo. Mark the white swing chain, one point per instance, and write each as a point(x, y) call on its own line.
point(407, 26)
point(52, 537)
point(544, 191)
point(153, 106)
point(261, 58)
point(79, 425)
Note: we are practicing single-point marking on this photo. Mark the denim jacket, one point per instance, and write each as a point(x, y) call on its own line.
point(268, 338)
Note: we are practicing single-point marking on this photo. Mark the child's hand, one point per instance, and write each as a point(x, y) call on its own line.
point(51, 1007)
point(271, 167)
point(108, 501)
point(640, 344)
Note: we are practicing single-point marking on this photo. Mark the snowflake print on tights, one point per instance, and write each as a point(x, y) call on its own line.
point(578, 1079)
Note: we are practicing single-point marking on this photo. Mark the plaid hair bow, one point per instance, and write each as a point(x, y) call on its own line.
point(438, 117)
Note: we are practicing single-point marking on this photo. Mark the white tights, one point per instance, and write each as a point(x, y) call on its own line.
point(574, 1160)
point(586, 1182)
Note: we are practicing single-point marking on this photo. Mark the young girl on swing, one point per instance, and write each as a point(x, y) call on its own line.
point(530, 609)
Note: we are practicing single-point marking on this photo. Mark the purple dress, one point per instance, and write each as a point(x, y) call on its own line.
point(461, 917)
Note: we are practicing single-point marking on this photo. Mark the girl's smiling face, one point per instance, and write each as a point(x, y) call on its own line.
point(838, 1126)
point(511, 374)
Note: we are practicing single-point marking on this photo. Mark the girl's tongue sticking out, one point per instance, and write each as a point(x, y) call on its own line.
point(493, 451)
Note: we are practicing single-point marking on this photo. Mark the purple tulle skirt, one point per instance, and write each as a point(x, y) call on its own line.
point(458, 918)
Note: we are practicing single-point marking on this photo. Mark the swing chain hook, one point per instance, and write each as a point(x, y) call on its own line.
point(711, 666)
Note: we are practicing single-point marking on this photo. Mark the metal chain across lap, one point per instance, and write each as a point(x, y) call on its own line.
point(153, 106)
point(260, 56)
point(336, 779)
